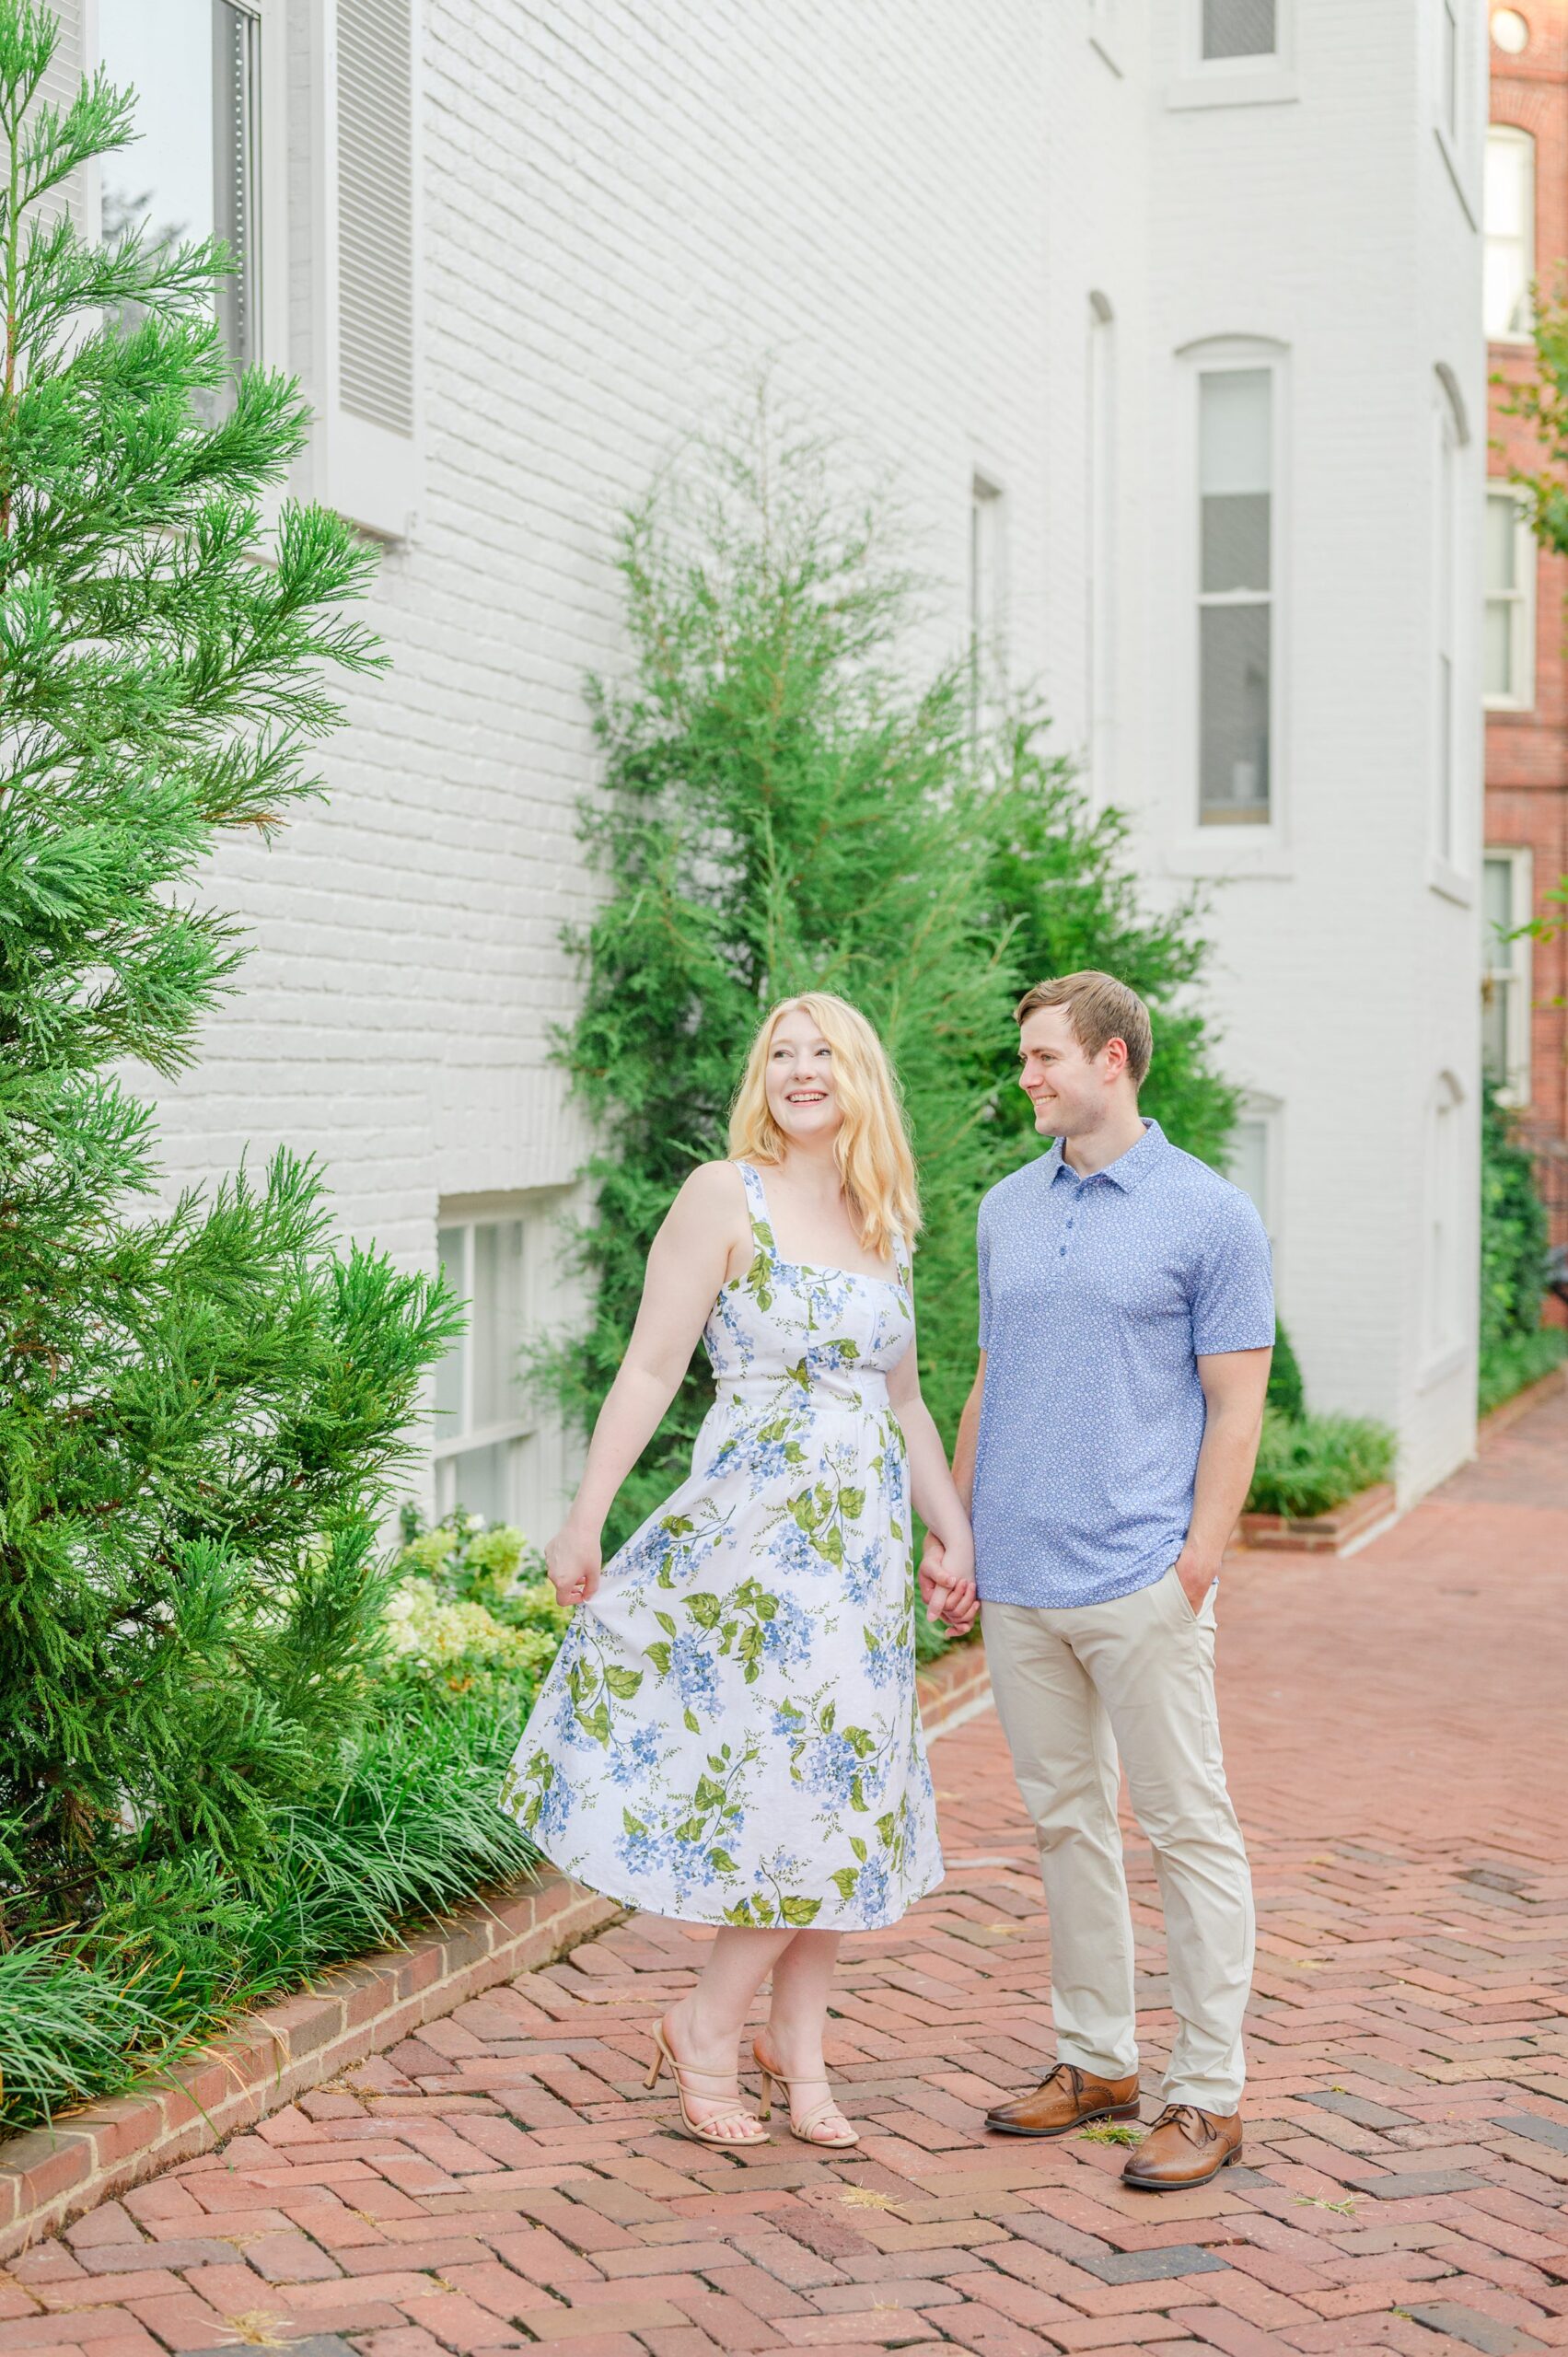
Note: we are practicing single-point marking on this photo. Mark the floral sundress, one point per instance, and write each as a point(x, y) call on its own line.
point(729, 1732)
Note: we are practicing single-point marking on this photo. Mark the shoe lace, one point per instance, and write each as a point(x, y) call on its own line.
point(1195, 2125)
point(1074, 2076)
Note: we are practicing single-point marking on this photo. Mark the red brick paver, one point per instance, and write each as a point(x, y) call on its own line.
point(1397, 1745)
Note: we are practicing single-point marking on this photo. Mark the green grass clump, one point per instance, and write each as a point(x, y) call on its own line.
point(408, 1827)
point(1307, 1465)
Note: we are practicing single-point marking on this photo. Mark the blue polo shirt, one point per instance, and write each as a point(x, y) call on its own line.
point(1097, 1297)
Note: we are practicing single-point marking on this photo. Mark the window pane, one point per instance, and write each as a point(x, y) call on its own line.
point(1234, 431)
point(1502, 540)
point(1238, 28)
point(1508, 203)
point(1235, 541)
point(1234, 713)
point(1249, 1163)
point(191, 64)
point(449, 1372)
point(1494, 1028)
point(497, 1319)
point(1497, 648)
point(1497, 910)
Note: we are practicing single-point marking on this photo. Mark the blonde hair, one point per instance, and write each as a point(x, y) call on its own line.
point(872, 1148)
point(1100, 1009)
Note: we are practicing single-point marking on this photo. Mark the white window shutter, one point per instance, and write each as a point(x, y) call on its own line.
point(368, 274)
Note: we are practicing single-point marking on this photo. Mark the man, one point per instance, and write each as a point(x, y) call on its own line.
point(1126, 1325)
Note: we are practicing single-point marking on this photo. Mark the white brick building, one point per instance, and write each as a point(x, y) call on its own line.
point(1087, 263)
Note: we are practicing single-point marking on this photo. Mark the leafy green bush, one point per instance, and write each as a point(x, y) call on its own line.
point(472, 1610)
point(784, 807)
point(1309, 1464)
point(1286, 1390)
point(1515, 1348)
point(1521, 1359)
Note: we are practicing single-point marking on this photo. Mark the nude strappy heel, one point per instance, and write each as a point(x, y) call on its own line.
point(704, 2131)
point(805, 2125)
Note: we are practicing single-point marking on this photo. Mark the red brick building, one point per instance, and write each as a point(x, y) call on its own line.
point(1524, 668)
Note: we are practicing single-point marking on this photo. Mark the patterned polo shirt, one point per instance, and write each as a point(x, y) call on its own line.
point(1097, 1297)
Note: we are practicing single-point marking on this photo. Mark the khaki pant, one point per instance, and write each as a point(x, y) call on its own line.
point(1073, 1688)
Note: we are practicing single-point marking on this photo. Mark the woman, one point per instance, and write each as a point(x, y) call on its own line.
point(729, 1734)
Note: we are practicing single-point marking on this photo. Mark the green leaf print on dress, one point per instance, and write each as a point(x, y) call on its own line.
point(729, 1734)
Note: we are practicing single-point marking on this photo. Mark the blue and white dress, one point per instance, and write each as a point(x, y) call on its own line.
point(729, 1734)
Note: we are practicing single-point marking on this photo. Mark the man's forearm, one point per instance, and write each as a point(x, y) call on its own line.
point(964, 1448)
point(1224, 1477)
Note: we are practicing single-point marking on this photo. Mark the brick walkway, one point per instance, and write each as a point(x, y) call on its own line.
point(1396, 1745)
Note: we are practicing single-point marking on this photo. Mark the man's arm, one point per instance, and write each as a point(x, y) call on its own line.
point(1233, 1385)
point(969, 1438)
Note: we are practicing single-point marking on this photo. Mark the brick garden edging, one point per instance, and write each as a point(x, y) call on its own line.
point(49, 2176)
point(1342, 1527)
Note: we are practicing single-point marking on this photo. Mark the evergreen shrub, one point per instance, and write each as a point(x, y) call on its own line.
point(788, 802)
point(213, 1776)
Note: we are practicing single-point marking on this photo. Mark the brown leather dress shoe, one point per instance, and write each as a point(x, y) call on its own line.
point(1065, 2101)
point(1184, 2147)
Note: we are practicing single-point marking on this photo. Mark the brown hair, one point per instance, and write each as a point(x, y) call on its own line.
point(1100, 1009)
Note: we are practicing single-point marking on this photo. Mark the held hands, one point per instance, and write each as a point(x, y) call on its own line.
point(573, 1561)
point(947, 1581)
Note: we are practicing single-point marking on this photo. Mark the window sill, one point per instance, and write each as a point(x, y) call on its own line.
point(1231, 851)
point(1447, 881)
point(1444, 1369)
point(1500, 708)
point(1264, 86)
point(482, 1436)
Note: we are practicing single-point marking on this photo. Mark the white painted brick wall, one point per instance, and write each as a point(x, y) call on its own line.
point(630, 208)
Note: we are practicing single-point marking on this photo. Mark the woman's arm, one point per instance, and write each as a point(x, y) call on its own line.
point(948, 1573)
point(705, 1228)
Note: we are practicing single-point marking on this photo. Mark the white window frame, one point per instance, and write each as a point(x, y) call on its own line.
point(1267, 1114)
point(452, 1439)
point(268, 170)
point(1506, 966)
point(1200, 847)
point(1267, 79)
point(1514, 135)
point(1521, 599)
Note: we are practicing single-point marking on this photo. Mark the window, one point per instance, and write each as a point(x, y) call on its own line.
point(1508, 206)
point(1508, 642)
point(1238, 29)
point(1444, 1289)
point(1100, 533)
point(192, 173)
point(1505, 973)
point(1251, 1160)
point(987, 602)
point(482, 1432)
point(1236, 467)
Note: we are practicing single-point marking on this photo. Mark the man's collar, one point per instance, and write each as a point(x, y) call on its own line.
point(1128, 1169)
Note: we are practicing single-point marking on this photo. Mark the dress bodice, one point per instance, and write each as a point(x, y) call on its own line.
point(832, 1334)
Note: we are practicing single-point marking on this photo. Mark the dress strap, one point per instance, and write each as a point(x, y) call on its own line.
point(757, 1207)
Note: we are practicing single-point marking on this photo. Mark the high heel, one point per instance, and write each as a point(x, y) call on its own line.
point(803, 2127)
point(704, 2131)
